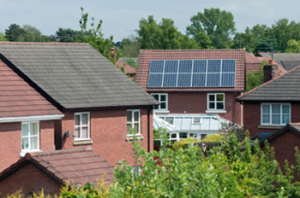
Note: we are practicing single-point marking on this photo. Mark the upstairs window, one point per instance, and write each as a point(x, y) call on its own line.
point(30, 136)
point(275, 114)
point(162, 99)
point(133, 121)
point(82, 126)
point(216, 101)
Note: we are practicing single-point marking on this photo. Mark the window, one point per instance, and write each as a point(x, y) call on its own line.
point(82, 126)
point(163, 99)
point(216, 102)
point(196, 120)
point(170, 120)
point(30, 136)
point(275, 114)
point(133, 121)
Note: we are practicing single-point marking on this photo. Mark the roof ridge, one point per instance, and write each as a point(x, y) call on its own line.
point(192, 50)
point(41, 43)
point(268, 82)
point(59, 152)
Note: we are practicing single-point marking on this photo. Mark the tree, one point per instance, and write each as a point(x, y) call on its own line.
point(293, 46)
point(2, 37)
point(129, 46)
point(32, 34)
point(255, 78)
point(266, 44)
point(67, 35)
point(14, 32)
point(163, 35)
point(218, 25)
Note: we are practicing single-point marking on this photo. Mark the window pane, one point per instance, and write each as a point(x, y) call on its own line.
point(163, 98)
point(84, 132)
point(182, 135)
point(197, 120)
point(174, 135)
point(33, 129)
point(275, 119)
point(156, 106)
point(286, 109)
point(163, 105)
point(266, 108)
point(136, 116)
point(193, 135)
point(129, 116)
point(170, 120)
point(25, 129)
point(275, 108)
point(34, 143)
point(211, 98)
point(157, 143)
point(266, 118)
point(25, 144)
point(212, 105)
point(155, 96)
point(77, 120)
point(76, 132)
point(203, 136)
point(85, 119)
point(129, 126)
point(136, 127)
point(220, 97)
point(220, 105)
point(285, 119)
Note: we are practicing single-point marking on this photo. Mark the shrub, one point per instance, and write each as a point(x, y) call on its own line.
point(182, 143)
point(212, 138)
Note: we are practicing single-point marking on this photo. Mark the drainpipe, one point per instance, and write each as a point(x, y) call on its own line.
point(149, 110)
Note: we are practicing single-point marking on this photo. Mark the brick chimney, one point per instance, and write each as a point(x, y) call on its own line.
point(112, 52)
point(269, 70)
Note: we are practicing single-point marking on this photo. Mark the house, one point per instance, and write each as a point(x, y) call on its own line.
point(253, 62)
point(26, 118)
point(50, 170)
point(100, 104)
point(129, 70)
point(193, 87)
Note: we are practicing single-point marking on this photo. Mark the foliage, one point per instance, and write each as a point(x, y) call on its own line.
point(94, 37)
point(2, 37)
point(182, 143)
point(293, 46)
point(131, 62)
point(67, 35)
point(129, 46)
point(212, 138)
point(163, 35)
point(14, 32)
point(255, 78)
point(266, 44)
point(218, 25)
point(33, 35)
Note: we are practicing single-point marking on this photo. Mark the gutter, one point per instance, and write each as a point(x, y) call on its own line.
point(31, 118)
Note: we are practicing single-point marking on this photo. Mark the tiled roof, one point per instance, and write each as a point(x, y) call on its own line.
point(19, 99)
point(284, 88)
point(288, 65)
point(127, 69)
point(74, 165)
point(146, 56)
point(74, 75)
point(253, 62)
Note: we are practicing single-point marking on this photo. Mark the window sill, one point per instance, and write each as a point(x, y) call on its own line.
point(23, 153)
point(270, 126)
point(131, 137)
point(82, 142)
point(161, 111)
point(215, 111)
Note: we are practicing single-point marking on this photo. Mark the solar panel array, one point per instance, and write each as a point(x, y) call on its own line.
point(192, 73)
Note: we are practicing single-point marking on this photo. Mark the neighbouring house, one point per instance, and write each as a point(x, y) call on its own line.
point(100, 104)
point(50, 170)
point(26, 118)
point(131, 71)
point(196, 88)
point(253, 62)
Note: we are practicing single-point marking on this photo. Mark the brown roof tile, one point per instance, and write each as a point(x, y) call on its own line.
point(73, 165)
point(18, 99)
point(127, 69)
point(146, 56)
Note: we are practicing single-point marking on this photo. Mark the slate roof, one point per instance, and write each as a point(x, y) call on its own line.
point(288, 65)
point(145, 56)
point(284, 88)
point(74, 75)
point(19, 99)
point(74, 165)
point(278, 57)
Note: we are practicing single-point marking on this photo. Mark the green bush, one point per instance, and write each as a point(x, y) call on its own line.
point(182, 143)
point(212, 138)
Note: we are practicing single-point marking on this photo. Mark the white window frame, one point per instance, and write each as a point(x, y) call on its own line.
point(29, 136)
point(215, 102)
point(80, 126)
point(159, 106)
point(270, 105)
point(134, 122)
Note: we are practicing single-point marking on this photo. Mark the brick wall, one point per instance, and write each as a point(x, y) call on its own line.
point(30, 179)
point(197, 103)
point(11, 141)
point(108, 132)
point(252, 117)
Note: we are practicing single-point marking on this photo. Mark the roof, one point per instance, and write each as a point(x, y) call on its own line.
point(73, 75)
point(261, 136)
point(19, 99)
point(284, 88)
point(279, 57)
point(127, 69)
point(145, 56)
point(253, 62)
point(74, 165)
point(288, 65)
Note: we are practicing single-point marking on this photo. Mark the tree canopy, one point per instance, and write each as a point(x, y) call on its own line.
point(67, 34)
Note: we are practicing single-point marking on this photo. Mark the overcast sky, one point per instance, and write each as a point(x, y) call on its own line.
point(121, 17)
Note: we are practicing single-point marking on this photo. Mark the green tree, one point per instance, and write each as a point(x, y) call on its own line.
point(129, 46)
point(266, 44)
point(14, 32)
point(33, 35)
point(255, 78)
point(2, 37)
point(163, 35)
point(293, 46)
point(218, 25)
point(67, 34)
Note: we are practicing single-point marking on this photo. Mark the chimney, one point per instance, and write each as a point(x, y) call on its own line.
point(112, 52)
point(269, 70)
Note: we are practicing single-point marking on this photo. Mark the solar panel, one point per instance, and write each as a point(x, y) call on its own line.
point(192, 73)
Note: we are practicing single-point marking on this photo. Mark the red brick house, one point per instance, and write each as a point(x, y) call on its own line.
point(51, 169)
point(194, 84)
point(129, 70)
point(26, 118)
point(99, 103)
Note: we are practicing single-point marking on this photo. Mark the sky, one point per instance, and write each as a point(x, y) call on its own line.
point(121, 17)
